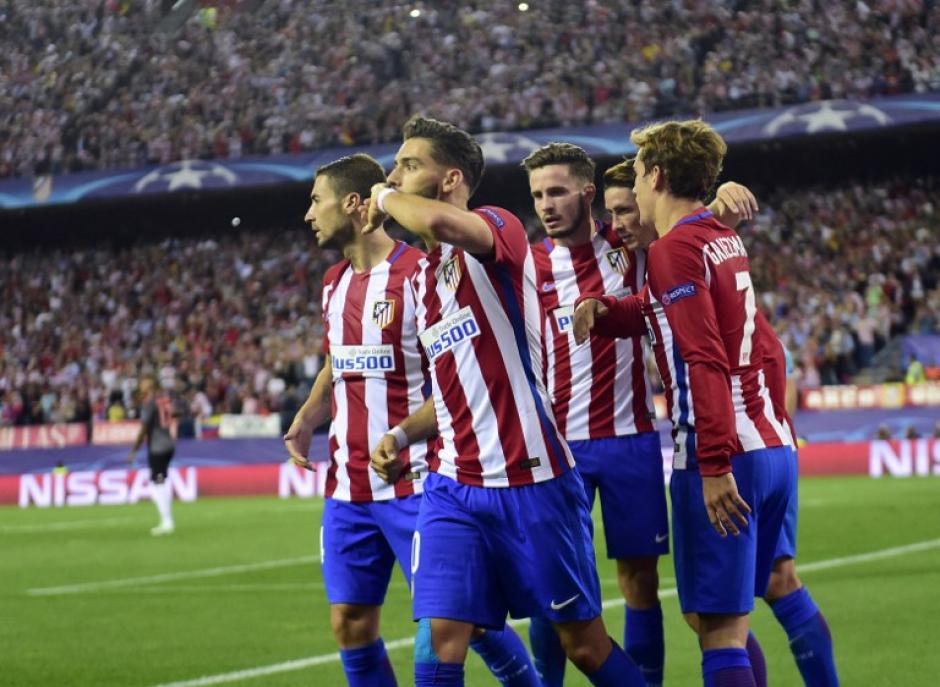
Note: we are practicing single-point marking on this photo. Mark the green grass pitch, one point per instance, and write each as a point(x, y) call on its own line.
point(87, 597)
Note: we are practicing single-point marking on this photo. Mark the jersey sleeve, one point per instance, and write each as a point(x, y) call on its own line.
point(623, 319)
point(677, 279)
point(510, 243)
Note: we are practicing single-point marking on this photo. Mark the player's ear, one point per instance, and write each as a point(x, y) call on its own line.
point(452, 179)
point(659, 178)
point(352, 203)
point(589, 191)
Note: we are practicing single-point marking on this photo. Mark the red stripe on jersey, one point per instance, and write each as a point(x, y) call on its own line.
point(603, 351)
point(396, 388)
point(357, 429)
point(465, 440)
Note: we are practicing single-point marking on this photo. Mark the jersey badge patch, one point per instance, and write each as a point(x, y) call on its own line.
point(450, 273)
point(677, 293)
point(618, 260)
point(383, 313)
point(498, 221)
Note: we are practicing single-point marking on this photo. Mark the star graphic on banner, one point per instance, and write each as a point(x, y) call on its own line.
point(496, 147)
point(826, 118)
point(186, 175)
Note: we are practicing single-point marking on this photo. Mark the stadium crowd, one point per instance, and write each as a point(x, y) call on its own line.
point(233, 324)
point(89, 84)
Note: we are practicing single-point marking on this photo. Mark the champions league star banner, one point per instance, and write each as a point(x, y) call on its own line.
point(808, 119)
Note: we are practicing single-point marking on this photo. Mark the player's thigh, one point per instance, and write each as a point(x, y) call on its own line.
point(453, 571)
point(775, 476)
point(398, 519)
point(356, 557)
point(551, 549)
point(786, 544)
point(633, 497)
point(714, 574)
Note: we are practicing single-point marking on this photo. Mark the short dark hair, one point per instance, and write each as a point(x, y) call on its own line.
point(356, 173)
point(577, 159)
point(450, 146)
point(621, 175)
point(689, 153)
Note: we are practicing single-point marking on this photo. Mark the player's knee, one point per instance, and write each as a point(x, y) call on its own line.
point(783, 580)
point(586, 644)
point(354, 625)
point(692, 620)
point(639, 582)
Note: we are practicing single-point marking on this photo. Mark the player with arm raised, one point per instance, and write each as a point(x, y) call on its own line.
point(504, 525)
point(373, 378)
point(730, 451)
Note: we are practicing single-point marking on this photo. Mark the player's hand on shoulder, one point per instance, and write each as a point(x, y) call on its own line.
point(585, 315)
point(384, 459)
point(736, 199)
point(376, 218)
point(724, 504)
point(297, 442)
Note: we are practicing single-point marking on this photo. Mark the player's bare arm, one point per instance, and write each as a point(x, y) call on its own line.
point(435, 221)
point(420, 425)
point(313, 413)
point(141, 435)
point(734, 203)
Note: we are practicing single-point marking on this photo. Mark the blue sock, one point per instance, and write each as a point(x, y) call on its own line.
point(810, 639)
point(505, 655)
point(447, 674)
point(727, 668)
point(548, 653)
point(643, 642)
point(618, 671)
point(755, 655)
point(368, 666)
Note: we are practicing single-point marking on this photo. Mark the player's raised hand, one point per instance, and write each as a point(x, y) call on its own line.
point(376, 217)
point(724, 504)
point(385, 461)
point(297, 441)
point(587, 312)
point(736, 199)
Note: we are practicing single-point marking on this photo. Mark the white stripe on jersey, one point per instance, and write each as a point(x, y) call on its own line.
point(340, 424)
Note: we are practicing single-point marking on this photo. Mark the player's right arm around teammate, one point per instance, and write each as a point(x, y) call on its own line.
point(313, 413)
point(420, 425)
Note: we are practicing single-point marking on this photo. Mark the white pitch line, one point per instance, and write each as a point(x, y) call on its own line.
point(222, 588)
point(301, 663)
point(170, 577)
point(67, 525)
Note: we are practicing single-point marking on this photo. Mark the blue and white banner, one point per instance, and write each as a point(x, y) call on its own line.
point(808, 119)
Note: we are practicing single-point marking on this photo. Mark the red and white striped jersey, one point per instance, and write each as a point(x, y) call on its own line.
point(703, 330)
point(599, 389)
point(378, 372)
point(480, 327)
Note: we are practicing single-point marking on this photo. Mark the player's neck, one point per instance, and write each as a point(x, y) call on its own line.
point(670, 210)
point(368, 251)
point(580, 236)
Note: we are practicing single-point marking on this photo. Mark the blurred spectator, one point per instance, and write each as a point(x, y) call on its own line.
point(86, 84)
point(883, 433)
point(915, 372)
point(911, 433)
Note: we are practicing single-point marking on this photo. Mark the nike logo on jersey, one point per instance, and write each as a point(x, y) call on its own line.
point(660, 538)
point(558, 607)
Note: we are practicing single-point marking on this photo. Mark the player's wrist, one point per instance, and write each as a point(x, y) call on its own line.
point(400, 437)
point(380, 197)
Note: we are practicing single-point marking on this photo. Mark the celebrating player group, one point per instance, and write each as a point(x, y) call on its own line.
point(484, 391)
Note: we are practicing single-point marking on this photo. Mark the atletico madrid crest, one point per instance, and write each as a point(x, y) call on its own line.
point(450, 273)
point(383, 312)
point(618, 259)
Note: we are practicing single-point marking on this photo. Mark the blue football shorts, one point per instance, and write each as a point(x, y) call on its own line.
point(482, 552)
point(717, 574)
point(359, 544)
point(628, 473)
